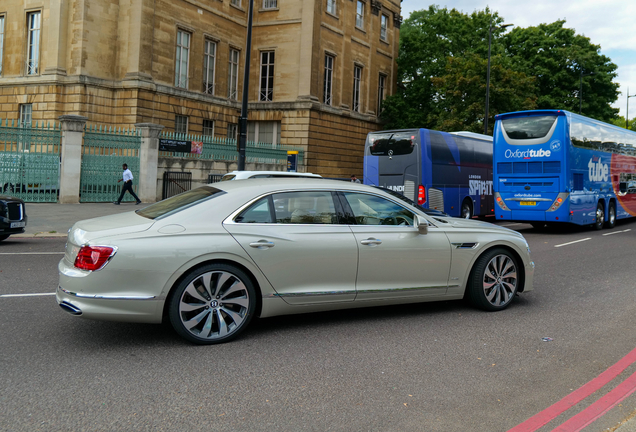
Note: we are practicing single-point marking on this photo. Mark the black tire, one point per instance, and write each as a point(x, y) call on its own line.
point(611, 216)
point(600, 217)
point(467, 210)
point(219, 301)
point(494, 280)
point(4, 237)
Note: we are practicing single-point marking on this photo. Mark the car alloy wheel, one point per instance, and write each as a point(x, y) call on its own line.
point(213, 304)
point(494, 280)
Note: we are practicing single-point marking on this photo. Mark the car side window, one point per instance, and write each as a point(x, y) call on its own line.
point(375, 210)
point(259, 212)
point(307, 207)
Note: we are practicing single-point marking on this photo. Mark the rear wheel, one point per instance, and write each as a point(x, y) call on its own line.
point(494, 280)
point(467, 210)
point(611, 216)
point(213, 304)
point(600, 217)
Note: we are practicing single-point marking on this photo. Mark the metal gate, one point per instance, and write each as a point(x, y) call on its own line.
point(30, 161)
point(103, 154)
point(176, 182)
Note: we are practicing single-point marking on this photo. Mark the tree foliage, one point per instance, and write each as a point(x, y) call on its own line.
point(442, 71)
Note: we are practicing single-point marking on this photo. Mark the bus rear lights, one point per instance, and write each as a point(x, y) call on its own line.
point(500, 202)
point(560, 199)
point(93, 258)
point(421, 195)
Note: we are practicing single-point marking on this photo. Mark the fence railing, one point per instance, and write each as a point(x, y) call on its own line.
point(224, 149)
point(175, 182)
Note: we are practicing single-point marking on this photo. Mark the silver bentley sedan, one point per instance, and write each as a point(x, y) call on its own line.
point(211, 259)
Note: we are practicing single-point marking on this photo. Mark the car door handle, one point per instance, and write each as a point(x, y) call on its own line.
point(262, 244)
point(371, 242)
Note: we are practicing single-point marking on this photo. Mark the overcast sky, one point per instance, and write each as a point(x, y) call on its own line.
point(608, 23)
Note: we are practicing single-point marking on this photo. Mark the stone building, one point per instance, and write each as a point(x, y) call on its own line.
point(318, 70)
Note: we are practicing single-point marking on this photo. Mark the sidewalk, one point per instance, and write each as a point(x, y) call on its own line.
point(54, 220)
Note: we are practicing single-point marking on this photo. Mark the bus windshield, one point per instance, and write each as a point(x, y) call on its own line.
point(526, 128)
point(392, 143)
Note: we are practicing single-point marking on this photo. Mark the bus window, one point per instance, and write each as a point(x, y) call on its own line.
point(527, 128)
point(392, 144)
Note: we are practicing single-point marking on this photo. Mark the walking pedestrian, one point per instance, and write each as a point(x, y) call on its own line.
point(127, 178)
point(354, 179)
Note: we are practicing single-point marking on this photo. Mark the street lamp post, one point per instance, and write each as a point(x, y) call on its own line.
point(242, 141)
point(627, 112)
point(490, 29)
point(581, 88)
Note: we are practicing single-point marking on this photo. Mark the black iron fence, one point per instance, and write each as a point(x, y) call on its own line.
point(175, 183)
point(213, 178)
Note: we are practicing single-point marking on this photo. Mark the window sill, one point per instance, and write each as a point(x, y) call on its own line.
point(332, 15)
point(269, 10)
point(237, 7)
point(360, 29)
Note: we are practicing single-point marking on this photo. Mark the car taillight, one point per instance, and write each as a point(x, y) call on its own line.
point(421, 195)
point(93, 258)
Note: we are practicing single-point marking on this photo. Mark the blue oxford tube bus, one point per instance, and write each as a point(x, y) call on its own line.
point(450, 172)
point(554, 166)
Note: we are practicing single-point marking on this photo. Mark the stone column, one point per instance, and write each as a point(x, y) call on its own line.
point(71, 165)
point(148, 161)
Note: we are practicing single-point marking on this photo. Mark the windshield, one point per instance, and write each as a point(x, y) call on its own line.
point(526, 128)
point(392, 143)
point(179, 202)
point(227, 177)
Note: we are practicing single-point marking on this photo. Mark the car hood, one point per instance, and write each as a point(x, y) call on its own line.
point(473, 224)
point(108, 226)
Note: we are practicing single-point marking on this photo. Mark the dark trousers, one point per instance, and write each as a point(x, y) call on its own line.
point(127, 187)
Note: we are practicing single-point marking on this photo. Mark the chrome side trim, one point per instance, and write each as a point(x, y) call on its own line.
point(393, 290)
point(106, 297)
point(465, 245)
point(314, 294)
point(388, 290)
point(528, 199)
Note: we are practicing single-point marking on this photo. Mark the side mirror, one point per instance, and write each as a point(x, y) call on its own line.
point(421, 224)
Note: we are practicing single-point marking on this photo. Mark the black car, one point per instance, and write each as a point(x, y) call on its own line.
point(13, 216)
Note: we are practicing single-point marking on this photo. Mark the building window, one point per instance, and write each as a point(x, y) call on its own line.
point(209, 62)
point(33, 48)
point(25, 115)
point(232, 130)
point(181, 124)
point(267, 76)
point(263, 132)
point(1, 40)
point(357, 76)
point(384, 21)
point(360, 15)
point(233, 74)
point(326, 97)
point(181, 67)
point(236, 3)
point(331, 6)
point(208, 128)
point(381, 91)
point(270, 4)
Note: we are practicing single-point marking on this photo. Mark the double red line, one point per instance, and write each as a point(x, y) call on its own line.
point(595, 410)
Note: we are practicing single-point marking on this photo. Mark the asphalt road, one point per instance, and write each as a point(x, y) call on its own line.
point(426, 367)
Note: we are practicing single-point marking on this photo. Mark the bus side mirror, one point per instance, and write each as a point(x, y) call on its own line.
point(421, 224)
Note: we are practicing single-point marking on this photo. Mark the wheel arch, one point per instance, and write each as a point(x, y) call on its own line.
point(246, 270)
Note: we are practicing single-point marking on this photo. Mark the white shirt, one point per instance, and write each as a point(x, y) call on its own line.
point(127, 175)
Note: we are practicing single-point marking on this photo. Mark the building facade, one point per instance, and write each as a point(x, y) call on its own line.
point(318, 69)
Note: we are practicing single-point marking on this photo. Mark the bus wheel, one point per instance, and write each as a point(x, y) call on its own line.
point(600, 217)
point(467, 211)
point(611, 216)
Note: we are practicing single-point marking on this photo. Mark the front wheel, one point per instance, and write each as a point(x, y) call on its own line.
point(494, 280)
point(600, 217)
point(611, 216)
point(213, 304)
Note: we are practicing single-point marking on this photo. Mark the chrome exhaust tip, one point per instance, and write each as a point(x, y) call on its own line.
point(73, 310)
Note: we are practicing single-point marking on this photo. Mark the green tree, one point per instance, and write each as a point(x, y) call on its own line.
point(557, 57)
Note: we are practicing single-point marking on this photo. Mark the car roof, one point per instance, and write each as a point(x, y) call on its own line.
point(246, 174)
point(264, 185)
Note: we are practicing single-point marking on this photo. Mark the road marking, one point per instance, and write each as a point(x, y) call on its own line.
point(32, 253)
point(572, 242)
point(27, 295)
point(547, 415)
point(617, 232)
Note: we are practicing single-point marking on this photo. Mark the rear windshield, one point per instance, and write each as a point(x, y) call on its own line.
point(392, 144)
point(179, 202)
point(525, 128)
point(227, 177)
